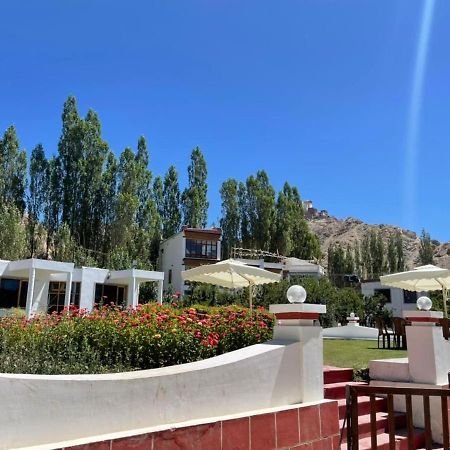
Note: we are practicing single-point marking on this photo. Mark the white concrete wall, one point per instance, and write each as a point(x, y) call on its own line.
point(89, 277)
point(40, 295)
point(38, 409)
point(172, 258)
point(350, 332)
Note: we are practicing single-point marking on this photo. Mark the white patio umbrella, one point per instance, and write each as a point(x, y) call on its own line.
point(231, 274)
point(423, 278)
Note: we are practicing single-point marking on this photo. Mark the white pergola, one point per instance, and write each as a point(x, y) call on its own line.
point(40, 273)
point(43, 270)
point(133, 278)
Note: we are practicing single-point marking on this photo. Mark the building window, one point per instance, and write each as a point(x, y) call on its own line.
point(386, 293)
point(13, 293)
point(57, 295)
point(201, 249)
point(409, 297)
point(110, 293)
point(170, 276)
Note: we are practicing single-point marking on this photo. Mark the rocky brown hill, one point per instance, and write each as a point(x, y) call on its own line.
point(350, 231)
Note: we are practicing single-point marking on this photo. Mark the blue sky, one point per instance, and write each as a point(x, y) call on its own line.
point(315, 92)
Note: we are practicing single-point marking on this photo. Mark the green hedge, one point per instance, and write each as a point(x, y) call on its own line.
point(112, 340)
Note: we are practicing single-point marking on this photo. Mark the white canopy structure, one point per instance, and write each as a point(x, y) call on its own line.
point(231, 274)
point(423, 278)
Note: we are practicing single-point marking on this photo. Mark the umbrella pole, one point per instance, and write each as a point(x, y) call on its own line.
point(445, 295)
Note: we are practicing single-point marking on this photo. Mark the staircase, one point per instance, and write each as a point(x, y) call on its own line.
point(335, 382)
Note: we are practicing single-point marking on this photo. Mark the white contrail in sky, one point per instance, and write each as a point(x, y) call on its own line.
point(412, 138)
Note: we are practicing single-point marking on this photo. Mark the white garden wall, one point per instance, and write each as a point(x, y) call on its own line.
point(40, 409)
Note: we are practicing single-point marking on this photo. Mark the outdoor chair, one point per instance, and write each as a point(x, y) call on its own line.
point(399, 333)
point(383, 332)
point(445, 324)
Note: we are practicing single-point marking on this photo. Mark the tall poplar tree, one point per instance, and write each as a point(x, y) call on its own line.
point(91, 166)
point(13, 170)
point(230, 221)
point(158, 195)
point(400, 255)
point(283, 238)
point(260, 210)
point(426, 249)
point(170, 210)
point(392, 254)
point(194, 199)
point(108, 202)
point(70, 155)
point(144, 178)
point(53, 200)
point(37, 195)
point(245, 236)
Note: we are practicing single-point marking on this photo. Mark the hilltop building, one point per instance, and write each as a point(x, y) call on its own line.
point(313, 213)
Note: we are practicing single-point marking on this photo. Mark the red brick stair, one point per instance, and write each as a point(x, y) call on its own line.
point(335, 382)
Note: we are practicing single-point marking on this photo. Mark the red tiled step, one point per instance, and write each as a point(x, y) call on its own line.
point(401, 442)
point(337, 374)
point(335, 391)
point(363, 405)
point(364, 426)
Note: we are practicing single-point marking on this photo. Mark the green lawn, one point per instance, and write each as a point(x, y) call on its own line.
point(356, 354)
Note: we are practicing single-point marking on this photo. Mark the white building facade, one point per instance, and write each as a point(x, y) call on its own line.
point(191, 247)
point(288, 267)
point(41, 286)
point(398, 300)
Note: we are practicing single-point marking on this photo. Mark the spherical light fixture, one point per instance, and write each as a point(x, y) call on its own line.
point(296, 294)
point(424, 303)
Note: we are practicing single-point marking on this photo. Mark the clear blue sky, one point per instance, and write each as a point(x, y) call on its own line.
point(315, 92)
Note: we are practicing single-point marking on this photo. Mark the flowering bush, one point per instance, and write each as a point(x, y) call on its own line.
point(113, 340)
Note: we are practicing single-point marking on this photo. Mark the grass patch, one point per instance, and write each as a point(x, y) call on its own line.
point(355, 353)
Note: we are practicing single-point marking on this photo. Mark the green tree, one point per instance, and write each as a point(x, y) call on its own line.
point(88, 227)
point(366, 257)
point(285, 221)
point(13, 237)
point(245, 236)
point(426, 249)
point(108, 204)
point(400, 255)
point(158, 195)
point(36, 196)
point(144, 178)
point(70, 156)
point(260, 210)
point(53, 200)
point(230, 221)
point(392, 258)
point(171, 214)
point(13, 166)
point(194, 199)
point(376, 248)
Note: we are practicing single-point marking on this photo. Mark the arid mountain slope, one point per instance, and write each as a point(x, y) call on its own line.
point(350, 231)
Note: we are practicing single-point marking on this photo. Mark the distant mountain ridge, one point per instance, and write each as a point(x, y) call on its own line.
point(331, 230)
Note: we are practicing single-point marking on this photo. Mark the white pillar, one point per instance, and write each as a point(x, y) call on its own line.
point(30, 291)
point(131, 297)
point(136, 294)
point(68, 290)
point(428, 351)
point(160, 291)
point(298, 322)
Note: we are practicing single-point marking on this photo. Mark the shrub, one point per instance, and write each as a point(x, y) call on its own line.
point(113, 340)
